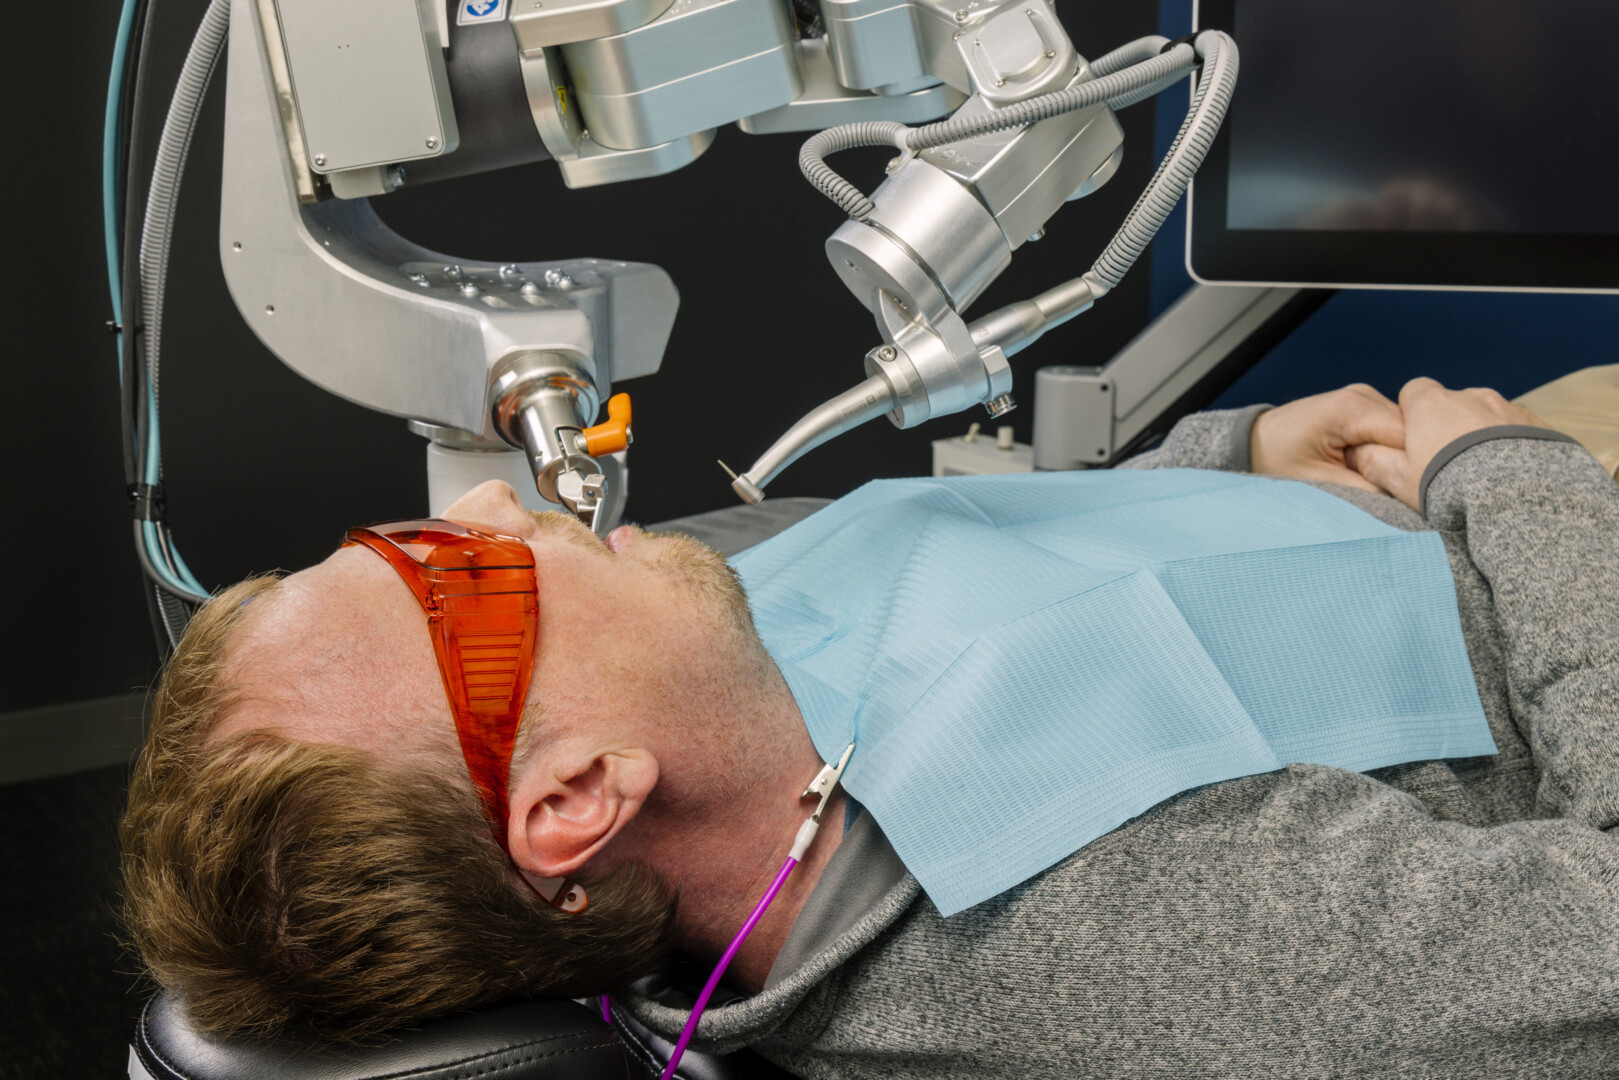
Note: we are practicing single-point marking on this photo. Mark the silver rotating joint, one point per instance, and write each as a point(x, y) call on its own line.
point(542, 402)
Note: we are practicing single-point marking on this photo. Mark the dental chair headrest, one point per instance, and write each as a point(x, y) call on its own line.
point(526, 1040)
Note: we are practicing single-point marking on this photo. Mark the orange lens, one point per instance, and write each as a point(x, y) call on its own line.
point(483, 614)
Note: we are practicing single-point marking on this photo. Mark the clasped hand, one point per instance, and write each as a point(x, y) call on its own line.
point(1359, 438)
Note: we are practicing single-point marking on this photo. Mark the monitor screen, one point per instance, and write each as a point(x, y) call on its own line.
point(1458, 143)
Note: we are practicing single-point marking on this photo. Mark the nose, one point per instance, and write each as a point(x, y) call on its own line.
point(492, 506)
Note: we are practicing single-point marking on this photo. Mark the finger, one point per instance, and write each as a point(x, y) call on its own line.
point(1417, 388)
point(1373, 421)
point(1388, 468)
point(1366, 390)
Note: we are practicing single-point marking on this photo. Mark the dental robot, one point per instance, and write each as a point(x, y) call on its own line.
point(508, 367)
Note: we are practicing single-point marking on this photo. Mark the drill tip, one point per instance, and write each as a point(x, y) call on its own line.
point(728, 470)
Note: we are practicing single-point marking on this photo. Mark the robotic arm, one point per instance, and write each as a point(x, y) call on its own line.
point(329, 105)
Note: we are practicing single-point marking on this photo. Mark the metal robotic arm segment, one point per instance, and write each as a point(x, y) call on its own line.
point(518, 354)
point(964, 194)
point(331, 104)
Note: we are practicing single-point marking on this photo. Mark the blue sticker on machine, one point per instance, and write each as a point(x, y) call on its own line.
point(481, 11)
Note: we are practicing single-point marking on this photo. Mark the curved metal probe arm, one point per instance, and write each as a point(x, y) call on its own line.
point(866, 401)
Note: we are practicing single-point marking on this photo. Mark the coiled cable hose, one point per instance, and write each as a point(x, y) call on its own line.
point(1134, 82)
point(1214, 90)
point(157, 234)
point(812, 161)
point(163, 198)
point(1131, 80)
point(1134, 53)
point(1127, 78)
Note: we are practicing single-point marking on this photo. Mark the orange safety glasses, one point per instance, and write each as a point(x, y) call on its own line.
point(483, 613)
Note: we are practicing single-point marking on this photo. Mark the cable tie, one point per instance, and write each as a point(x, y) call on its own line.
point(146, 502)
point(1189, 39)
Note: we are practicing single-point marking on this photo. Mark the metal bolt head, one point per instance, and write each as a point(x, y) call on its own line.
point(236, 246)
point(469, 289)
point(558, 279)
point(320, 159)
point(1050, 53)
point(421, 279)
point(961, 16)
point(432, 142)
point(508, 271)
point(529, 289)
point(1000, 82)
point(886, 353)
point(453, 272)
point(999, 406)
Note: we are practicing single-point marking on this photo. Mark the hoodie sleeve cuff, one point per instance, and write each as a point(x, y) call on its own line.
point(1472, 439)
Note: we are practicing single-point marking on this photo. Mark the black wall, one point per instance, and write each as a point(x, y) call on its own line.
point(264, 470)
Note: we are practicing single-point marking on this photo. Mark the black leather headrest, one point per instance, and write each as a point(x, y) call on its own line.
point(525, 1040)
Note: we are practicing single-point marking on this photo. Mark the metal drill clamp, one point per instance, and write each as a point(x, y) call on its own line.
point(826, 781)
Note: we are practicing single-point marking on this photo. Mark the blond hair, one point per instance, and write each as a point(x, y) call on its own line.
point(271, 883)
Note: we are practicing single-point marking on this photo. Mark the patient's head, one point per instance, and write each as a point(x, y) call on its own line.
point(303, 844)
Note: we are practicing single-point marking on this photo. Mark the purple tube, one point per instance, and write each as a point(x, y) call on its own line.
point(607, 1009)
point(719, 969)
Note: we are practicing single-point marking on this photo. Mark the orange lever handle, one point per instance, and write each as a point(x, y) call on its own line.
point(613, 436)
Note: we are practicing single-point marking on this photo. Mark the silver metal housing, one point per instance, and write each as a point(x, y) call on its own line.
point(930, 244)
point(1023, 176)
point(355, 308)
point(558, 22)
point(583, 161)
point(369, 81)
point(948, 220)
point(700, 64)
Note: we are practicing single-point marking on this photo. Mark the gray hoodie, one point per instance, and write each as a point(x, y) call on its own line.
point(1437, 919)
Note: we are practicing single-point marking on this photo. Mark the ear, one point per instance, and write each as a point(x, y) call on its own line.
point(571, 800)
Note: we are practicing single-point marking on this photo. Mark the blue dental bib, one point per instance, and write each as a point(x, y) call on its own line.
point(1027, 662)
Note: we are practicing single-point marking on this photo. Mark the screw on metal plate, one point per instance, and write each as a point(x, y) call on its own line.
point(961, 16)
point(886, 353)
point(453, 272)
point(469, 289)
point(320, 159)
point(432, 143)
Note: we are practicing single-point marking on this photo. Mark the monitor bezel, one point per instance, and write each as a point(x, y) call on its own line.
point(1350, 259)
